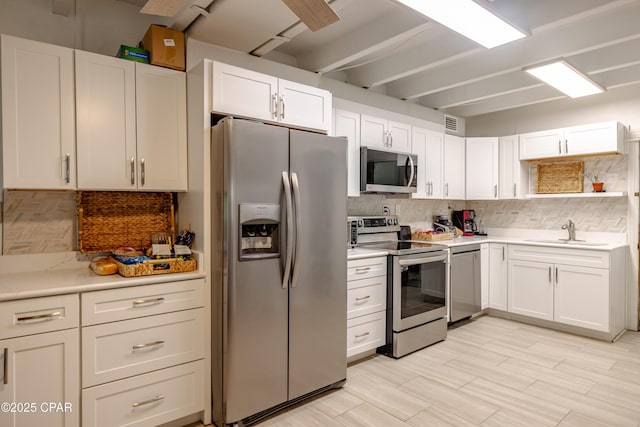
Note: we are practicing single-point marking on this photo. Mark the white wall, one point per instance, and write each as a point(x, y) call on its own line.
point(99, 26)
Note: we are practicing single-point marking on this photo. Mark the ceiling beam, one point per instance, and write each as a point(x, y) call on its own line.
point(384, 32)
point(581, 36)
point(481, 90)
point(444, 49)
point(536, 95)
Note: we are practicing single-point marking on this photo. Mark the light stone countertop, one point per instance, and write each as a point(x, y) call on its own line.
point(64, 273)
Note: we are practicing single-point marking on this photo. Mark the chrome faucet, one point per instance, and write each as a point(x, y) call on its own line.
point(571, 228)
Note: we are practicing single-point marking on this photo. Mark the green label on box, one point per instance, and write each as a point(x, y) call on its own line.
point(133, 54)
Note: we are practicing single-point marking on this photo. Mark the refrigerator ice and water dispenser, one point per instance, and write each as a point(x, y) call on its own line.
point(259, 231)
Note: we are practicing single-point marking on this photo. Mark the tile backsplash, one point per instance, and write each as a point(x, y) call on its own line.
point(39, 222)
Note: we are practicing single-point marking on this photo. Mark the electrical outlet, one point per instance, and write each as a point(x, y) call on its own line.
point(386, 210)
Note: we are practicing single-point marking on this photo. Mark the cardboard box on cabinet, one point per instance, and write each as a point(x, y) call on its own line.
point(165, 46)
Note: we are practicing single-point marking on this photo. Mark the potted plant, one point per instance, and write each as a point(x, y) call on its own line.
point(595, 181)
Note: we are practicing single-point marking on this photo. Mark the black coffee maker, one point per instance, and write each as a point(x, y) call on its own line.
point(465, 221)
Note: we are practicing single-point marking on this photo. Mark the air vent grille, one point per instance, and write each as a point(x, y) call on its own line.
point(451, 124)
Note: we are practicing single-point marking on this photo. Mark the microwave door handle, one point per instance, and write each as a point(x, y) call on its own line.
point(298, 226)
point(289, 213)
point(409, 160)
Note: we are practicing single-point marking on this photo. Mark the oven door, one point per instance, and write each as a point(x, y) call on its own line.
point(419, 289)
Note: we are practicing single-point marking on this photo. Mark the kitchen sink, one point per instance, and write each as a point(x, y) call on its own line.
point(569, 242)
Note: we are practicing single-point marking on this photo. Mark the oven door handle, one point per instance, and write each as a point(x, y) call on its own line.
point(425, 260)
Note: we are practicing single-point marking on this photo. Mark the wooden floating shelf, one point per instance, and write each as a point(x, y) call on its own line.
point(577, 195)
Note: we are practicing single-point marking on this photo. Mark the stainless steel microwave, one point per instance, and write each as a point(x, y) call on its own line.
point(387, 171)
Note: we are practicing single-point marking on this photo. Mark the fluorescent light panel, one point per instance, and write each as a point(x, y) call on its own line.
point(565, 78)
point(469, 19)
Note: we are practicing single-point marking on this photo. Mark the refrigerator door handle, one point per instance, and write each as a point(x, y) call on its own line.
point(289, 212)
point(298, 227)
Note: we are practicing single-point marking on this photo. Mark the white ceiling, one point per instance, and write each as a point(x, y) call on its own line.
point(384, 46)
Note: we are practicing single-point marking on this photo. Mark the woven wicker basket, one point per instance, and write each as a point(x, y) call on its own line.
point(111, 219)
point(156, 266)
point(418, 235)
point(560, 177)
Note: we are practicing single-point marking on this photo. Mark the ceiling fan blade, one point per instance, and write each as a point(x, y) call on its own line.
point(316, 14)
point(163, 7)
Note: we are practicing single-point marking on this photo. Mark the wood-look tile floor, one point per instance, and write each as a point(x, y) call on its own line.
point(488, 372)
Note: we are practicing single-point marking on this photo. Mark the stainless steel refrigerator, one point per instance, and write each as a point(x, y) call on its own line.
point(279, 206)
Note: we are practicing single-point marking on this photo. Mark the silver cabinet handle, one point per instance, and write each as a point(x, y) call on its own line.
point(274, 106)
point(132, 166)
point(296, 258)
point(147, 402)
point(282, 107)
point(147, 302)
point(362, 335)
point(549, 274)
point(67, 168)
point(566, 147)
point(362, 270)
point(289, 213)
point(5, 375)
point(363, 298)
point(556, 276)
point(390, 139)
point(142, 172)
point(515, 194)
point(150, 344)
point(503, 253)
point(559, 147)
point(39, 317)
point(446, 189)
point(495, 191)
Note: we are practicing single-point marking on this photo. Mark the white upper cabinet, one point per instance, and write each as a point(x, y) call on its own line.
point(428, 145)
point(161, 119)
point(106, 122)
point(38, 115)
point(454, 168)
point(347, 124)
point(482, 168)
point(255, 95)
point(513, 175)
point(595, 138)
point(382, 133)
point(131, 125)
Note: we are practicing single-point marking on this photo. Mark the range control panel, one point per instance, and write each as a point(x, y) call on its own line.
point(372, 224)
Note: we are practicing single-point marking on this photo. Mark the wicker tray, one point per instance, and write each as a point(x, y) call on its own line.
point(418, 235)
point(156, 266)
point(111, 219)
point(560, 177)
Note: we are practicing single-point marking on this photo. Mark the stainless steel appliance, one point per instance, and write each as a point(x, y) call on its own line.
point(278, 267)
point(416, 287)
point(384, 171)
point(465, 281)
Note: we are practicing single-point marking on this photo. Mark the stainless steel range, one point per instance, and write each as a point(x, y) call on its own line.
point(416, 288)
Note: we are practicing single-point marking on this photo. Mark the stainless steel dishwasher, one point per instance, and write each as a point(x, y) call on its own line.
point(464, 282)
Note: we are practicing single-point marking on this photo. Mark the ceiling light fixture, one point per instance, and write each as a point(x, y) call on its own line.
point(469, 19)
point(565, 78)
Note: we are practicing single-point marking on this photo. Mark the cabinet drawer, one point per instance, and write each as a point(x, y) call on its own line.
point(121, 349)
point(365, 333)
point(578, 257)
point(138, 301)
point(146, 400)
point(367, 267)
point(366, 296)
point(37, 315)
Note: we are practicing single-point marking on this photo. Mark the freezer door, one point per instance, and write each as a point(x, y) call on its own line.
point(255, 355)
point(317, 310)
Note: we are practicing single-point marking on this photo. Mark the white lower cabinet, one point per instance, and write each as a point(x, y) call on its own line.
point(366, 305)
point(142, 354)
point(41, 377)
point(498, 276)
point(577, 287)
point(146, 400)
